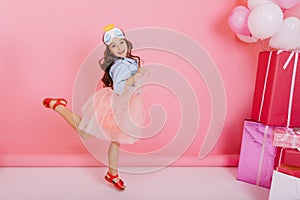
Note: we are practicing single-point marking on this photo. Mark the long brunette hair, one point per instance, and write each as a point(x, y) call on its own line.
point(108, 60)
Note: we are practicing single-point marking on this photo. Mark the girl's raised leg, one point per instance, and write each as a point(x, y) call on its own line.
point(72, 118)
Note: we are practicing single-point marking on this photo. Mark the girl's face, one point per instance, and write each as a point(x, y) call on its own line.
point(118, 47)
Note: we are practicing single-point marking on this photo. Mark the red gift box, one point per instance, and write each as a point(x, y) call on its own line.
point(290, 157)
point(293, 171)
point(277, 89)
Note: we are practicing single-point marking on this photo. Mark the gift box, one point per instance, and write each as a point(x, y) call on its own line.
point(257, 154)
point(293, 171)
point(286, 138)
point(284, 187)
point(287, 156)
point(277, 89)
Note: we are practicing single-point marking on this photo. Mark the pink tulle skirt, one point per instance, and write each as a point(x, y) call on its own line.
point(112, 117)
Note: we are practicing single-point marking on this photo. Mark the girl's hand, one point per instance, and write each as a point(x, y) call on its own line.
point(141, 71)
point(130, 81)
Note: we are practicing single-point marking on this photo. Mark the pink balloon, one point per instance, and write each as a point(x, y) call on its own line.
point(238, 20)
point(239, 8)
point(286, 4)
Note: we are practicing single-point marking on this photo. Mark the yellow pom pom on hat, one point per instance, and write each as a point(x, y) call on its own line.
point(111, 32)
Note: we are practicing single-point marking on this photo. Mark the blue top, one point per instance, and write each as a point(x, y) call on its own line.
point(120, 71)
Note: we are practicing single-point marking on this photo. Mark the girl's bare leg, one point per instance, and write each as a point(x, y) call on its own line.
point(72, 118)
point(113, 158)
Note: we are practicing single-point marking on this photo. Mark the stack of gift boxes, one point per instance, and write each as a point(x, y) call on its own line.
point(271, 138)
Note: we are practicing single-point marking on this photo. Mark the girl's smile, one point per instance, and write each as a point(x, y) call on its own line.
point(118, 47)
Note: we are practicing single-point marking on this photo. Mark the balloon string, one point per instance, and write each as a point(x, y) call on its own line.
point(264, 46)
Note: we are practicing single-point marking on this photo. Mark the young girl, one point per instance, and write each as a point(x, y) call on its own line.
point(115, 111)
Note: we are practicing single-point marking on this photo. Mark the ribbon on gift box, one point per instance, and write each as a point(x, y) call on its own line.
point(265, 86)
point(292, 54)
point(280, 158)
point(261, 158)
point(293, 81)
point(286, 138)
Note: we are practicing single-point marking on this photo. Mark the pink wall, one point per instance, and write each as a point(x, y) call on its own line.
point(44, 43)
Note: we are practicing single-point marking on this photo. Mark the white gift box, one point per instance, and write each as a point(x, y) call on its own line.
point(284, 187)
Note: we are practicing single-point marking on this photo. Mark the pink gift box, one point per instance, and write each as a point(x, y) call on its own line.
point(286, 138)
point(257, 154)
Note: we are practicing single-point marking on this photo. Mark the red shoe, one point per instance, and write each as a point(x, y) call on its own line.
point(47, 101)
point(118, 184)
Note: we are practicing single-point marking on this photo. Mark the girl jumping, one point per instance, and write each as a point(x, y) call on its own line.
point(115, 111)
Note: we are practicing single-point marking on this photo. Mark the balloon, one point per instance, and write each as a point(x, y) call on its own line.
point(238, 20)
point(265, 20)
point(247, 39)
point(286, 4)
point(288, 37)
point(239, 8)
point(255, 3)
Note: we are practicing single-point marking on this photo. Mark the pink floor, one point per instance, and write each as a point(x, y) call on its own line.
point(86, 183)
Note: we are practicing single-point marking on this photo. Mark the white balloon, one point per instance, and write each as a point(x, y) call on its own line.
point(265, 20)
point(255, 3)
point(247, 39)
point(288, 37)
